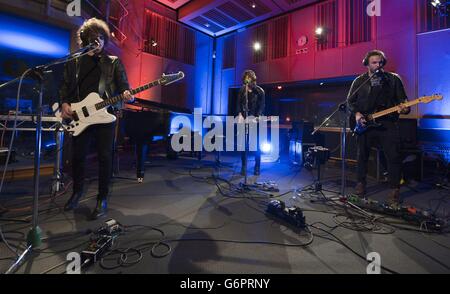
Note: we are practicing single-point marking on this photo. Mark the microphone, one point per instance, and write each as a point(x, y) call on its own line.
point(93, 45)
point(379, 69)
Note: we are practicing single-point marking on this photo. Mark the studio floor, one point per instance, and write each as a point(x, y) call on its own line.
point(189, 216)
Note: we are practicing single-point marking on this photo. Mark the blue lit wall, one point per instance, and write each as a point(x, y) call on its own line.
point(23, 35)
point(23, 44)
point(224, 79)
point(203, 72)
point(434, 78)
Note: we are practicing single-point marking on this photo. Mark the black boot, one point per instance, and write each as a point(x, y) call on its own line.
point(100, 210)
point(244, 164)
point(72, 203)
point(257, 171)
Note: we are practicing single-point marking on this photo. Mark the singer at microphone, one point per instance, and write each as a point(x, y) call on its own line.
point(251, 102)
point(94, 72)
point(377, 90)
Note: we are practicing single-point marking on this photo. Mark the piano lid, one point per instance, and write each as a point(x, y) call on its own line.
point(147, 105)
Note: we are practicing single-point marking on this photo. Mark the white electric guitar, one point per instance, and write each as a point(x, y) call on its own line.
point(93, 109)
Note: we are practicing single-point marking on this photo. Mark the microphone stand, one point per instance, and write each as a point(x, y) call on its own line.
point(77, 54)
point(245, 185)
point(34, 235)
point(246, 134)
point(343, 106)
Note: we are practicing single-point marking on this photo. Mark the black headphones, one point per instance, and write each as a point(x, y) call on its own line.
point(83, 39)
point(375, 53)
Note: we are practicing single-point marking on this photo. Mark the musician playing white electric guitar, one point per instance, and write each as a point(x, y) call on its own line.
point(93, 73)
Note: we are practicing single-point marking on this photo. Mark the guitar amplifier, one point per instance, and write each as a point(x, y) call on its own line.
point(298, 150)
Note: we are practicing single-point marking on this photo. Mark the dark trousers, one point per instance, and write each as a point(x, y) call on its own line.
point(104, 136)
point(388, 138)
point(256, 153)
point(257, 158)
point(141, 155)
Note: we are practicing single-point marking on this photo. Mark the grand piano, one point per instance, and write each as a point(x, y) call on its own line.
point(143, 120)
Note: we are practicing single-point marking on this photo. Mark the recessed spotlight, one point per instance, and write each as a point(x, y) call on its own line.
point(280, 87)
point(257, 46)
point(435, 3)
point(253, 5)
point(319, 31)
point(207, 25)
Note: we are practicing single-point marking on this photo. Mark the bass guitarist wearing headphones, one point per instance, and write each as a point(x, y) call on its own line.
point(384, 90)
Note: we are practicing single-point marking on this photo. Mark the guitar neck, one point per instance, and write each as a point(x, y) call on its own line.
point(115, 99)
point(394, 109)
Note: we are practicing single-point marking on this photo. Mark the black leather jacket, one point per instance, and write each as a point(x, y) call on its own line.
point(393, 94)
point(113, 80)
point(256, 101)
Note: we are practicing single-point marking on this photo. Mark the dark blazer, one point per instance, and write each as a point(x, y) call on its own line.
point(393, 94)
point(256, 101)
point(113, 80)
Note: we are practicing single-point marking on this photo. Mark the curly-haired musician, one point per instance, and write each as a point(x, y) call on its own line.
point(105, 75)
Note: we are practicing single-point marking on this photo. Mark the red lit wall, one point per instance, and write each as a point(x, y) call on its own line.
point(143, 67)
point(395, 35)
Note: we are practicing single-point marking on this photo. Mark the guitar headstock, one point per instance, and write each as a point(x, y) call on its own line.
point(428, 99)
point(171, 78)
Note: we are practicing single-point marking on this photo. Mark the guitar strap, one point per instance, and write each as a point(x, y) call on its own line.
point(77, 74)
point(102, 83)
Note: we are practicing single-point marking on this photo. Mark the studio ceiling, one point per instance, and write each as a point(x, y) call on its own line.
point(218, 17)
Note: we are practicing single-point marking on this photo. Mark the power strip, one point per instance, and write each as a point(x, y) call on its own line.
point(292, 215)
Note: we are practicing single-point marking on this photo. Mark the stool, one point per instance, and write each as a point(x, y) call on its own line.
point(407, 169)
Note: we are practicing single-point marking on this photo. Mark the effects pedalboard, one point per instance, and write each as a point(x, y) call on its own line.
point(292, 215)
point(408, 213)
point(101, 241)
point(269, 186)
